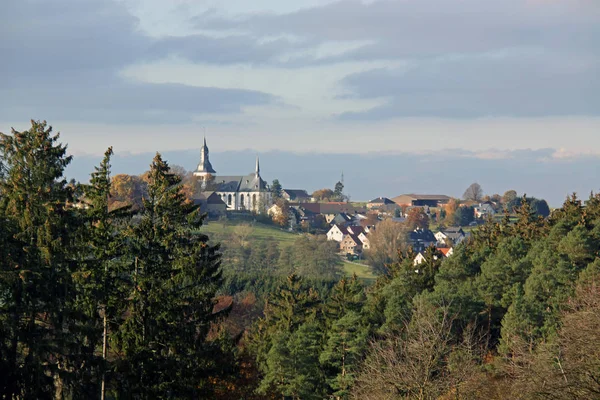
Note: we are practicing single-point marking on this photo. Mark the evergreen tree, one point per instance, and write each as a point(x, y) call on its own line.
point(100, 276)
point(276, 189)
point(175, 274)
point(36, 287)
point(346, 343)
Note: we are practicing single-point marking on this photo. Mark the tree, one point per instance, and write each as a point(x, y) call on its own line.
point(338, 192)
point(473, 192)
point(98, 279)
point(509, 196)
point(323, 195)
point(175, 274)
point(463, 216)
point(417, 218)
point(39, 342)
point(385, 241)
point(343, 351)
point(416, 364)
point(281, 216)
point(276, 189)
point(451, 208)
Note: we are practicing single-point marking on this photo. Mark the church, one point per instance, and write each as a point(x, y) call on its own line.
point(240, 193)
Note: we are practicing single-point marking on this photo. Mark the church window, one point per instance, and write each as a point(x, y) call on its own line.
point(228, 200)
point(242, 200)
point(254, 201)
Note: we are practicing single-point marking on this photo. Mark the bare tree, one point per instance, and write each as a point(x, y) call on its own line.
point(473, 192)
point(241, 233)
point(421, 363)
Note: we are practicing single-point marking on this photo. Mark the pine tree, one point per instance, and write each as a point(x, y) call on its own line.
point(175, 274)
point(99, 278)
point(38, 347)
point(346, 343)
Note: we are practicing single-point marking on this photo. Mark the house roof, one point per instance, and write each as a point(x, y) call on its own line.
point(326, 208)
point(414, 197)
point(422, 235)
point(244, 183)
point(356, 230)
point(208, 198)
point(444, 250)
point(296, 193)
point(381, 200)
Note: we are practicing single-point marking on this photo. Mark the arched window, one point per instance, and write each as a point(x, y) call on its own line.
point(229, 200)
point(241, 200)
point(254, 202)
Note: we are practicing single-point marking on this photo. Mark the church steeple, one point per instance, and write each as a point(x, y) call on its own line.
point(257, 166)
point(204, 167)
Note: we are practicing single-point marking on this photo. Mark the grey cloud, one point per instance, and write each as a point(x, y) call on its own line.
point(125, 102)
point(430, 27)
point(62, 59)
point(515, 84)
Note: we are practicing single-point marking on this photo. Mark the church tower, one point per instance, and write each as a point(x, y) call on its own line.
point(204, 169)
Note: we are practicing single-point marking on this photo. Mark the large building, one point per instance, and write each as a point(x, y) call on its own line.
point(241, 192)
point(413, 200)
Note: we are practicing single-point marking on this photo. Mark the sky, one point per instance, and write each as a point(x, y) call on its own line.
point(483, 78)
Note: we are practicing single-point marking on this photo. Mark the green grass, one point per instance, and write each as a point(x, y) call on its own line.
point(363, 272)
point(258, 232)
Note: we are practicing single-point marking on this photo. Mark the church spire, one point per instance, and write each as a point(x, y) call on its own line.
point(204, 167)
point(257, 166)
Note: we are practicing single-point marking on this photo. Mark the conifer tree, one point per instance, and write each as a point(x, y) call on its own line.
point(99, 278)
point(36, 286)
point(175, 274)
point(344, 348)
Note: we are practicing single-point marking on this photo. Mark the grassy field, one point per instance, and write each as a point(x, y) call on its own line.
point(258, 231)
point(362, 271)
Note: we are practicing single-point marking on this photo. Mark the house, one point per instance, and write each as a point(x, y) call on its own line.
point(420, 239)
point(365, 240)
point(340, 218)
point(446, 251)
point(420, 258)
point(305, 214)
point(355, 230)
point(453, 234)
point(431, 200)
point(337, 233)
point(351, 244)
point(379, 203)
point(296, 195)
point(484, 210)
point(210, 203)
point(293, 216)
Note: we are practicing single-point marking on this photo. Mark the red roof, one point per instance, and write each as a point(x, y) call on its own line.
point(444, 250)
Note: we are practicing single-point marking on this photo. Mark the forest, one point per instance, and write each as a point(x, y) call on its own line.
point(135, 301)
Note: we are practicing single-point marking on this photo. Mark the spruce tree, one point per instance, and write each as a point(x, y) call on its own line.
point(175, 274)
point(38, 348)
point(100, 276)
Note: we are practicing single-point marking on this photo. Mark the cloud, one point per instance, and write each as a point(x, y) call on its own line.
point(62, 60)
point(511, 83)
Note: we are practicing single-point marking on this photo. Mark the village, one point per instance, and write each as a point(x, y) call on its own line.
point(353, 225)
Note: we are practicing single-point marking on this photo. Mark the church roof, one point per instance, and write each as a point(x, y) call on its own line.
point(245, 183)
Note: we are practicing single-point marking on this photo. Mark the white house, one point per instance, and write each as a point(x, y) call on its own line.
point(337, 233)
point(365, 240)
point(484, 210)
point(455, 235)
